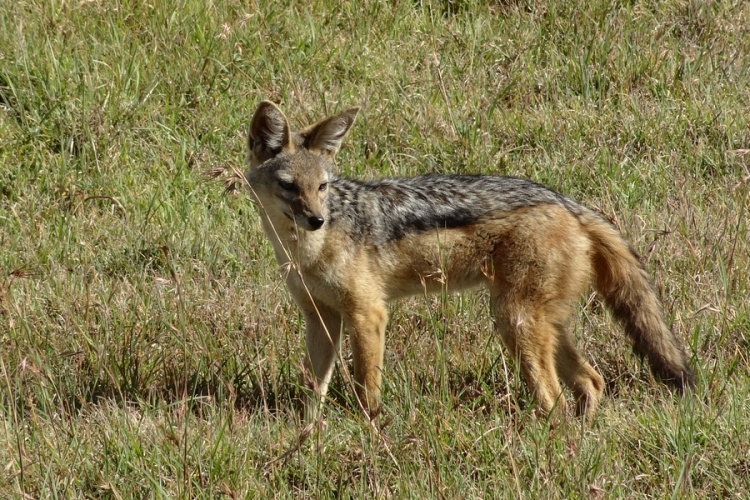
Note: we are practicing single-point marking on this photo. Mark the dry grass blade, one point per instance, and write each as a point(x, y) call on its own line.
point(231, 176)
point(303, 436)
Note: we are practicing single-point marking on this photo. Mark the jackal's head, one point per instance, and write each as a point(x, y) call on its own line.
point(289, 171)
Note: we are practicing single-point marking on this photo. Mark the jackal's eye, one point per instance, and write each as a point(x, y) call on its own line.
point(323, 186)
point(287, 186)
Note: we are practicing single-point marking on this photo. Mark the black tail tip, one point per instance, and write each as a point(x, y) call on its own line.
point(683, 381)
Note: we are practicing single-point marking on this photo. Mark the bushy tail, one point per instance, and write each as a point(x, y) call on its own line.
point(627, 290)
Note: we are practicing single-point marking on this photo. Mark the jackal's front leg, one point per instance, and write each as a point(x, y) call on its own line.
point(322, 338)
point(367, 327)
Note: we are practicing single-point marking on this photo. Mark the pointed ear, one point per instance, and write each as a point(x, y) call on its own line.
point(325, 136)
point(269, 132)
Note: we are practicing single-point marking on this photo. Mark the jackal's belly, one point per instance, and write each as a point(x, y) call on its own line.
point(432, 262)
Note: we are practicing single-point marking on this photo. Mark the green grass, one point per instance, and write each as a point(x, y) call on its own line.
point(148, 348)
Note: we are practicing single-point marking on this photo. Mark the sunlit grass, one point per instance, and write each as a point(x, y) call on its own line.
point(148, 348)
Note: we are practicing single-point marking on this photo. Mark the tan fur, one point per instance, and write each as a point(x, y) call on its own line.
point(536, 259)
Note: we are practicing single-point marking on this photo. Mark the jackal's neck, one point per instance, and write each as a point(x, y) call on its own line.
point(293, 244)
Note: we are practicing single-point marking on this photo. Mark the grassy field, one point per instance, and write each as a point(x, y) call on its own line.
point(148, 348)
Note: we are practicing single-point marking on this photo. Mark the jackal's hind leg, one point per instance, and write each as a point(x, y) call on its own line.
point(531, 340)
point(582, 379)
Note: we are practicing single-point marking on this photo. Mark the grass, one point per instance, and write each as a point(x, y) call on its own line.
point(148, 348)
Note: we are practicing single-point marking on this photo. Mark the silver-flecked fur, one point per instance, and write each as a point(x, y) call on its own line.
point(384, 210)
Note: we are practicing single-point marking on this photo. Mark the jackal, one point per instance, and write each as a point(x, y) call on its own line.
point(351, 246)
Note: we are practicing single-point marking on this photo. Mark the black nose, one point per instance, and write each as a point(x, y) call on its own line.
point(315, 221)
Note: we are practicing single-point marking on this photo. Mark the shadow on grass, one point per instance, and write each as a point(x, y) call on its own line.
point(223, 385)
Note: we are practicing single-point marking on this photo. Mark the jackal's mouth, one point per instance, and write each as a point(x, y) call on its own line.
point(288, 216)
